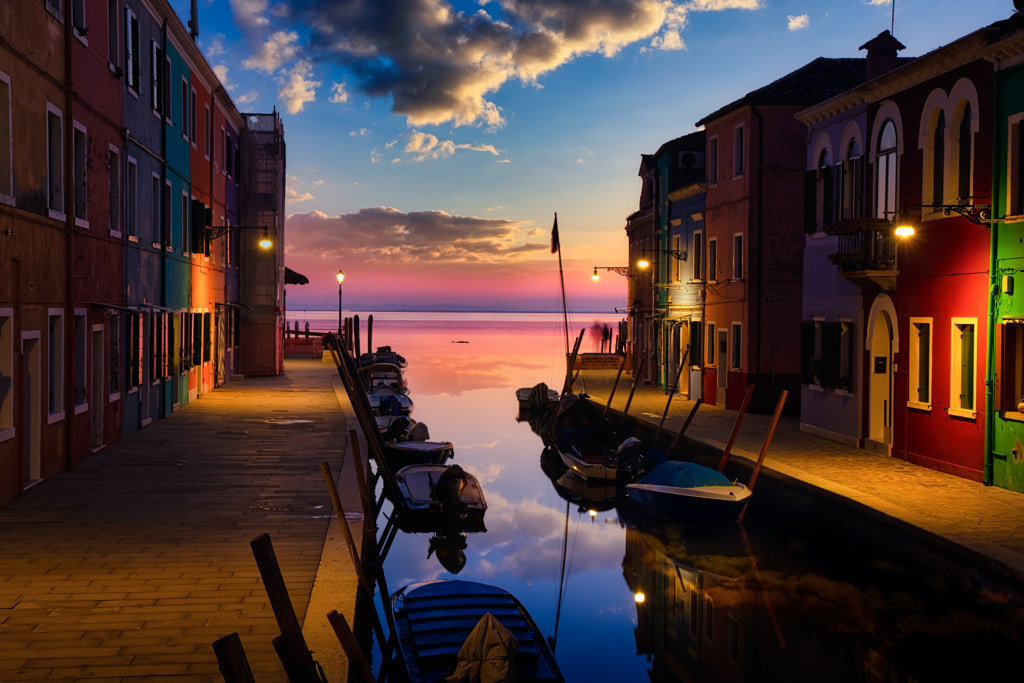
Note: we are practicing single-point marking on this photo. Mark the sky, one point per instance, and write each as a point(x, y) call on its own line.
point(430, 143)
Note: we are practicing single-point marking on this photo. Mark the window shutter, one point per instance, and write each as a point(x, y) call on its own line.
point(810, 200)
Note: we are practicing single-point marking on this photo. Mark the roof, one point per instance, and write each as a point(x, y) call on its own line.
point(816, 81)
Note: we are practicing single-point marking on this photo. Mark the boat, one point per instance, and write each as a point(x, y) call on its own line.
point(439, 496)
point(377, 394)
point(383, 354)
point(686, 490)
point(400, 454)
point(386, 374)
point(434, 619)
point(537, 397)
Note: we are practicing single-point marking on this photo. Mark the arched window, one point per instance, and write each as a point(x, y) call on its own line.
point(963, 184)
point(852, 186)
point(885, 172)
point(938, 158)
point(825, 214)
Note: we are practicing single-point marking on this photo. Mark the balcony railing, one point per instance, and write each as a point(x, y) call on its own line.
point(867, 251)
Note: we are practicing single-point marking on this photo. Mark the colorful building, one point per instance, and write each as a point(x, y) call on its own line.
point(121, 207)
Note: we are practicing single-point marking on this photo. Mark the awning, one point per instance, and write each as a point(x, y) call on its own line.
point(293, 278)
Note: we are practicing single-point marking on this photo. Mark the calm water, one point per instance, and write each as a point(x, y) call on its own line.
point(779, 599)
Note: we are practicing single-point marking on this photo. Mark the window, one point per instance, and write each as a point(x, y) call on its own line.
point(698, 255)
point(192, 117)
point(677, 264)
point(81, 335)
point(852, 186)
point(184, 222)
point(80, 151)
point(197, 339)
point(737, 256)
point(53, 7)
point(826, 354)
point(964, 156)
point(131, 50)
point(845, 356)
point(696, 344)
point(207, 137)
point(713, 260)
point(885, 172)
point(55, 161)
point(713, 161)
point(165, 99)
point(114, 355)
point(158, 336)
point(185, 117)
point(78, 19)
point(736, 358)
point(155, 60)
point(135, 339)
point(963, 357)
point(1009, 388)
point(114, 189)
point(938, 149)
point(55, 374)
point(711, 345)
point(6, 374)
point(738, 152)
point(1015, 166)
point(132, 204)
point(824, 195)
point(6, 142)
point(223, 151)
point(154, 211)
point(165, 223)
point(207, 337)
point(113, 32)
point(920, 370)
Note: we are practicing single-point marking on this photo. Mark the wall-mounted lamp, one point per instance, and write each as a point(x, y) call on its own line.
point(621, 270)
point(265, 242)
point(678, 254)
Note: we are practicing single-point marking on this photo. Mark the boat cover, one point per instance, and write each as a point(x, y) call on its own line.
point(685, 475)
point(488, 654)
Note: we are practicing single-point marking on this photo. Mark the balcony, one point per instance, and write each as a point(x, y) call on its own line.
point(867, 252)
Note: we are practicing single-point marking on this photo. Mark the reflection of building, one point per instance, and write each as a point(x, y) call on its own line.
point(121, 163)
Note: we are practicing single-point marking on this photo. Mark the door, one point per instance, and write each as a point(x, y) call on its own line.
point(96, 397)
point(32, 408)
point(880, 384)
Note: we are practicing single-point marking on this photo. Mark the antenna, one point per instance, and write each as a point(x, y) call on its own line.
point(892, 22)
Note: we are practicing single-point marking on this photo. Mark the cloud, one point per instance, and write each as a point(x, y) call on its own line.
point(338, 93)
point(389, 236)
point(318, 183)
point(247, 98)
point(222, 75)
point(215, 47)
point(798, 22)
point(359, 133)
point(292, 196)
point(298, 88)
point(439, 65)
point(879, 2)
point(423, 146)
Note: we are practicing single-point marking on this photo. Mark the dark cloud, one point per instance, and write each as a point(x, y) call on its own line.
point(386, 234)
point(440, 65)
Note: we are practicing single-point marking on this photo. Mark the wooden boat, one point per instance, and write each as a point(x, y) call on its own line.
point(686, 490)
point(433, 620)
point(537, 397)
point(378, 393)
point(386, 374)
point(591, 458)
point(401, 454)
point(383, 354)
point(440, 496)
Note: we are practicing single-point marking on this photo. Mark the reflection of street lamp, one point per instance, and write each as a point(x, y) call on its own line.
point(341, 279)
point(621, 270)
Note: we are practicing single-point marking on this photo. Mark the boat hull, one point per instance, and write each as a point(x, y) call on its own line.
point(422, 513)
point(697, 503)
point(590, 467)
point(401, 454)
point(434, 618)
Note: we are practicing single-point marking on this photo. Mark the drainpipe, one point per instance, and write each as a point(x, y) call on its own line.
point(165, 400)
point(758, 281)
point(69, 228)
point(993, 292)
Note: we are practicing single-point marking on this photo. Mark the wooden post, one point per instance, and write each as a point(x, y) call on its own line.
point(736, 427)
point(622, 364)
point(672, 392)
point(292, 649)
point(678, 441)
point(369, 509)
point(355, 334)
point(231, 660)
point(636, 380)
point(764, 449)
point(351, 646)
point(569, 362)
point(369, 333)
point(349, 540)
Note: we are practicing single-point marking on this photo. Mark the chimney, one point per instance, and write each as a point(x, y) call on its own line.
point(882, 55)
point(193, 21)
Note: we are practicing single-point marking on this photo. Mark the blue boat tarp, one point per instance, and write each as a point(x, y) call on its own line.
point(684, 475)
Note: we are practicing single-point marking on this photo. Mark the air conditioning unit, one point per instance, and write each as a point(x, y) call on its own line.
point(691, 160)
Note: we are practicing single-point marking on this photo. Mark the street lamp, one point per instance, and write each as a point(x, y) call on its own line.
point(341, 279)
point(621, 270)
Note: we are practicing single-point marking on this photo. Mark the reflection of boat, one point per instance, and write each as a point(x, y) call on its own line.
point(433, 620)
point(440, 495)
point(537, 397)
point(400, 454)
point(686, 490)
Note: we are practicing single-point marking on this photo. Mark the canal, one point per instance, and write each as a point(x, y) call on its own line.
point(792, 594)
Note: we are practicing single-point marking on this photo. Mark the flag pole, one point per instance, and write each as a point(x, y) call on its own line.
point(556, 246)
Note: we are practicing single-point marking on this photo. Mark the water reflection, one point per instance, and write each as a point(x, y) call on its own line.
point(782, 599)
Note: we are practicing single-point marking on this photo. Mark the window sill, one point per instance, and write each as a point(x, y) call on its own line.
point(816, 387)
point(1013, 416)
point(917, 405)
point(81, 408)
point(55, 417)
point(966, 414)
point(6, 434)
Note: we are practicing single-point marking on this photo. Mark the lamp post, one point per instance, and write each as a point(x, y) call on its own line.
point(341, 279)
point(621, 270)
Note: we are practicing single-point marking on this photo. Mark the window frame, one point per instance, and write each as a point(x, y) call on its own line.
point(886, 171)
point(1015, 167)
point(7, 430)
point(80, 172)
point(55, 190)
point(914, 362)
point(739, 151)
point(712, 261)
point(55, 366)
point(6, 140)
point(957, 367)
point(131, 208)
point(736, 346)
point(114, 190)
point(132, 68)
point(737, 256)
point(698, 255)
point(710, 358)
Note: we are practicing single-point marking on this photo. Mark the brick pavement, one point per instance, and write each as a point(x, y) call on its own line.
point(985, 522)
point(133, 563)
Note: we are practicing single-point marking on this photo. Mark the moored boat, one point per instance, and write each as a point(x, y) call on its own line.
point(436, 496)
point(686, 490)
point(433, 620)
point(400, 454)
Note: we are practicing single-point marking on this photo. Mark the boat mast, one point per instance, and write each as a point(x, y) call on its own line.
point(556, 247)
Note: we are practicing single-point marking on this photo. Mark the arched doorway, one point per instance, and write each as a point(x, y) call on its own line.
point(881, 343)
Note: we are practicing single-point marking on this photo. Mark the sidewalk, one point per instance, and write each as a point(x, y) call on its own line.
point(133, 563)
point(985, 522)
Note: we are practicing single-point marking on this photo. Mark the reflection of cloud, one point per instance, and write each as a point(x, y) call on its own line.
point(388, 235)
point(439, 65)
